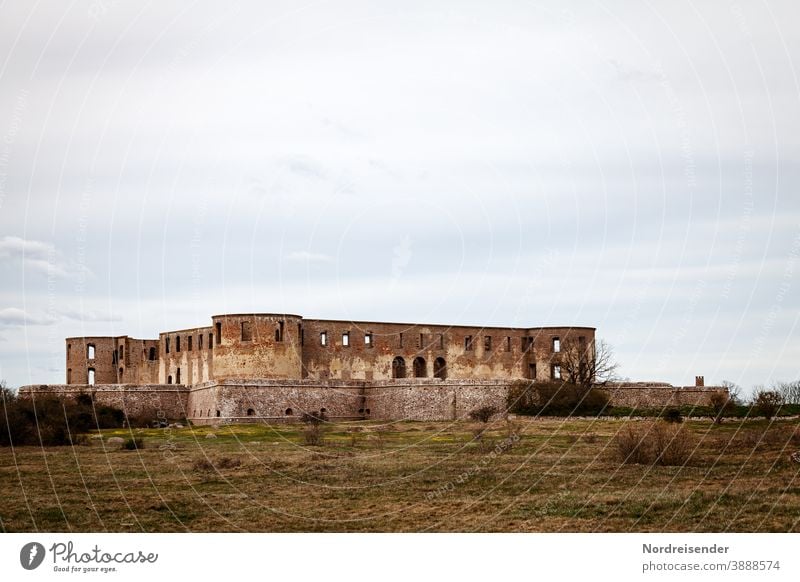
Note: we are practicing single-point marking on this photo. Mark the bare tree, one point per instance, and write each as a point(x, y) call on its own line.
point(790, 391)
point(588, 364)
point(734, 392)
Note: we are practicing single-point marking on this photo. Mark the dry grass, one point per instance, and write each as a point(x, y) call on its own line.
point(529, 475)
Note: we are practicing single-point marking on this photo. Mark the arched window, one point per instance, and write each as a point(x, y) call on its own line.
point(178, 376)
point(251, 412)
point(419, 367)
point(440, 368)
point(289, 412)
point(169, 379)
point(218, 413)
point(398, 367)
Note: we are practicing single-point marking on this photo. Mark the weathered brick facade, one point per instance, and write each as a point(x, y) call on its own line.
point(276, 366)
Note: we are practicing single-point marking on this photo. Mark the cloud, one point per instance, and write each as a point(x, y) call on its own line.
point(40, 256)
point(88, 316)
point(13, 316)
point(308, 257)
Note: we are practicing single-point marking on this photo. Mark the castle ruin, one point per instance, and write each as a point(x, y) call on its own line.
point(273, 367)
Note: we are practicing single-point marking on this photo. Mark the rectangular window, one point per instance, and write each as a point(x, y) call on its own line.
point(166, 344)
point(90, 351)
point(487, 343)
point(247, 332)
point(302, 335)
point(556, 372)
point(219, 333)
point(91, 376)
point(441, 341)
point(468, 342)
point(508, 343)
point(189, 343)
point(280, 331)
point(177, 343)
point(401, 340)
point(420, 341)
point(200, 341)
point(532, 371)
point(368, 339)
point(556, 345)
point(346, 338)
point(527, 343)
point(323, 338)
point(210, 340)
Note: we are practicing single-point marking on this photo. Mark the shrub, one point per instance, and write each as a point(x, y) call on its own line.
point(313, 417)
point(133, 444)
point(229, 462)
point(556, 399)
point(767, 403)
point(654, 443)
point(672, 414)
point(52, 421)
point(483, 414)
point(202, 466)
point(313, 435)
point(722, 404)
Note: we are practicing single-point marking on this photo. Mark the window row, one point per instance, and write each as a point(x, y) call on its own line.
point(189, 343)
point(526, 342)
point(117, 355)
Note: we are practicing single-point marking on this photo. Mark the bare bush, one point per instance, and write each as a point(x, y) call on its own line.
point(202, 466)
point(654, 443)
point(229, 463)
point(483, 414)
point(313, 435)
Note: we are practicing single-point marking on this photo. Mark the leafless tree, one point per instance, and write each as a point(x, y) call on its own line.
point(790, 391)
point(734, 391)
point(588, 364)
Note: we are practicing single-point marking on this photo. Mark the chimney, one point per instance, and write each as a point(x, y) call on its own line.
point(699, 381)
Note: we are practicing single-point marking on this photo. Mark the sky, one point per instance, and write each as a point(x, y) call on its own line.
point(632, 166)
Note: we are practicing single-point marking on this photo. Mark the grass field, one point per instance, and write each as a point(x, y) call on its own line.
point(527, 475)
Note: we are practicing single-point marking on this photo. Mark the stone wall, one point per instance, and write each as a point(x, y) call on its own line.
point(270, 400)
point(656, 395)
point(434, 399)
point(149, 400)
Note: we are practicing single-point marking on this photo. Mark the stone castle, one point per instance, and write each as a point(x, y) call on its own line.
point(273, 367)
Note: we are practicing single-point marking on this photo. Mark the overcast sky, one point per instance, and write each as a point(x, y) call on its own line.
point(631, 166)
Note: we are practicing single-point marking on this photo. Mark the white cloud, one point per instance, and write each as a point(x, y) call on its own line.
point(13, 316)
point(41, 257)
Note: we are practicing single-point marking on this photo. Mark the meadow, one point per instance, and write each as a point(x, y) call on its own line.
point(520, 475)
